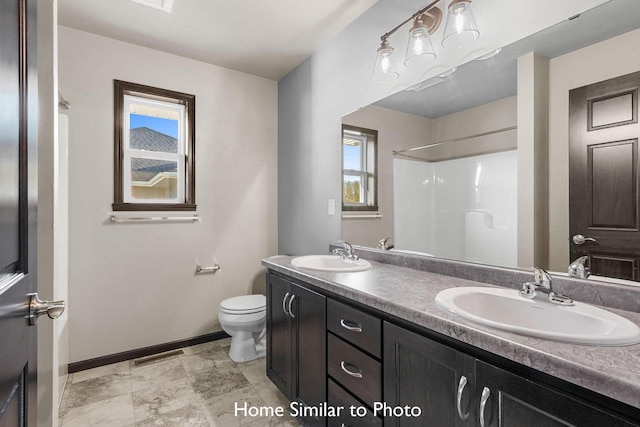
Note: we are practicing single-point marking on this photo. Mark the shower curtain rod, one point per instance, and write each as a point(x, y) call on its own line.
point(435, 144)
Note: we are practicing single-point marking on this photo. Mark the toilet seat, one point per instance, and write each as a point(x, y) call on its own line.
point(245, 304)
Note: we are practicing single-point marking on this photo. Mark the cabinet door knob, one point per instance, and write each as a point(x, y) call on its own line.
point(290, 302)
point(284, 304)
point(483, 403)
point(461, 386)
point(356, 328)
point(353, 374)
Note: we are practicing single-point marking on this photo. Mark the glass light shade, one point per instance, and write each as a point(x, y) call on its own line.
point(460, 28)
point(385, 70)
point(420, 52)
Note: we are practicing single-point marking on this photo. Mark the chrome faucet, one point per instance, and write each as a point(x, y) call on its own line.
point(346, 251)
point(382, 244)
point(579, 269)
point(543, 283)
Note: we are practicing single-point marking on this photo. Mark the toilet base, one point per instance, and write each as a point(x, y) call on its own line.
point(247, 346)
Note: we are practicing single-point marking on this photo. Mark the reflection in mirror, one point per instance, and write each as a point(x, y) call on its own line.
point(456, 151)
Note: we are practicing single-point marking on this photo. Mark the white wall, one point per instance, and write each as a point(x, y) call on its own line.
point(336, 80)
point(51, 349)
point(605, 60)
point(133, 285)
point(396, 131)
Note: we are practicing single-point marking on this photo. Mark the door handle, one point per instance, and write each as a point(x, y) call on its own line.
point(290, 302)
point(284, 304)
point(579, 239)
point(483, 403)
point(37, 308)
point(461, 385)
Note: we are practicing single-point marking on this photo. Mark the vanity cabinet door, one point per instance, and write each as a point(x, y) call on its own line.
point(421, 372)
point(309, 349)
point(512, 401)
point(297, 343)
point(279, 368)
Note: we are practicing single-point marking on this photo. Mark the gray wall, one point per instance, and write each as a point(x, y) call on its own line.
point(336, 80)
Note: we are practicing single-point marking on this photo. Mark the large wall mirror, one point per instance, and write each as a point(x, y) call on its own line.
point(473, 164)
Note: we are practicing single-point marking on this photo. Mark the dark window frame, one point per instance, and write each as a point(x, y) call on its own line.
point(374, 134)
point(122, 88)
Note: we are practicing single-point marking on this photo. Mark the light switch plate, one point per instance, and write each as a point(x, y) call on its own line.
point(331, 207)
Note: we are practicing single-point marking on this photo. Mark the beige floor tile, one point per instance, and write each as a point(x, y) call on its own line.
point(157, 373)
point(153, 402)
point(196, 363)
point(271, 395)
point(100, 371)
point(221, 410)
point(114, 412)
point(188, 416)
point(98, 389)
point(223, 343)
point(255, 371)
point(217, 382)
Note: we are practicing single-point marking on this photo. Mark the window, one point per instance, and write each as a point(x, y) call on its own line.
point(154, 149)
point(359, 169)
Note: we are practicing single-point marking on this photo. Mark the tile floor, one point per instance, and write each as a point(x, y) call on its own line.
point(197, 388)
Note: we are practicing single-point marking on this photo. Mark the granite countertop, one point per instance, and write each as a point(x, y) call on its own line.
point(410, 294)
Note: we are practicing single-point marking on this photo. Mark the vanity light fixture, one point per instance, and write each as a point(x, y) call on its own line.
point(460, 29)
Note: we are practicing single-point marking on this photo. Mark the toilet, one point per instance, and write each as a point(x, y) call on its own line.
point(244, 318)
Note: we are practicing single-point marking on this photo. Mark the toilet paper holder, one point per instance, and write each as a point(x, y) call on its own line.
point(203, 270)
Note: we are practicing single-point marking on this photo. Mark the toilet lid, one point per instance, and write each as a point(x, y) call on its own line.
point(244, 304)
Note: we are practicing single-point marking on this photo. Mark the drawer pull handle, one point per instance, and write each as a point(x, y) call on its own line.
point(461, 386)
point(483, 403)
point(353, 374)
point(290, 302)
point(356, 328)
point(284, 304)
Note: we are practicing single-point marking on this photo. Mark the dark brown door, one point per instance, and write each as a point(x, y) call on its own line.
point(279, 333)
point(603, 176)
point(309, 346)
point(18, 125)
point(507, 400)
point(419, 372)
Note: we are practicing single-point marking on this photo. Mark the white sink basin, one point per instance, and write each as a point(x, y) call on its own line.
point(505, 309)
point(330, 263)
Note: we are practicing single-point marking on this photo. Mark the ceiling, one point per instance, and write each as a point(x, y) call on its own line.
point(479, 82)
point(267, 38)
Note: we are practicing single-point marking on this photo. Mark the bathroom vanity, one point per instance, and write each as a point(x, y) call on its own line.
point(377, 340)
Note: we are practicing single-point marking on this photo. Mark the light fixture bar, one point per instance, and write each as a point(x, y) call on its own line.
point(412, 17)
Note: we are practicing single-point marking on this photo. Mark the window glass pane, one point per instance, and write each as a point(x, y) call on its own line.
point(352, 189)
point(154, 179)
point(153, 128)
point(352, 153)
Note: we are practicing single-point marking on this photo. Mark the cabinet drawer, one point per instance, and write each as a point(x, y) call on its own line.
point(339, 397)
point(358, 328)
point(355, 370)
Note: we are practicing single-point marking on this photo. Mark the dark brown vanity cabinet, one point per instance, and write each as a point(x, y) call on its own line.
point(455, 389)
point(433, 377)
point(321, 350)
point(505, 399)
point(296, 343)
